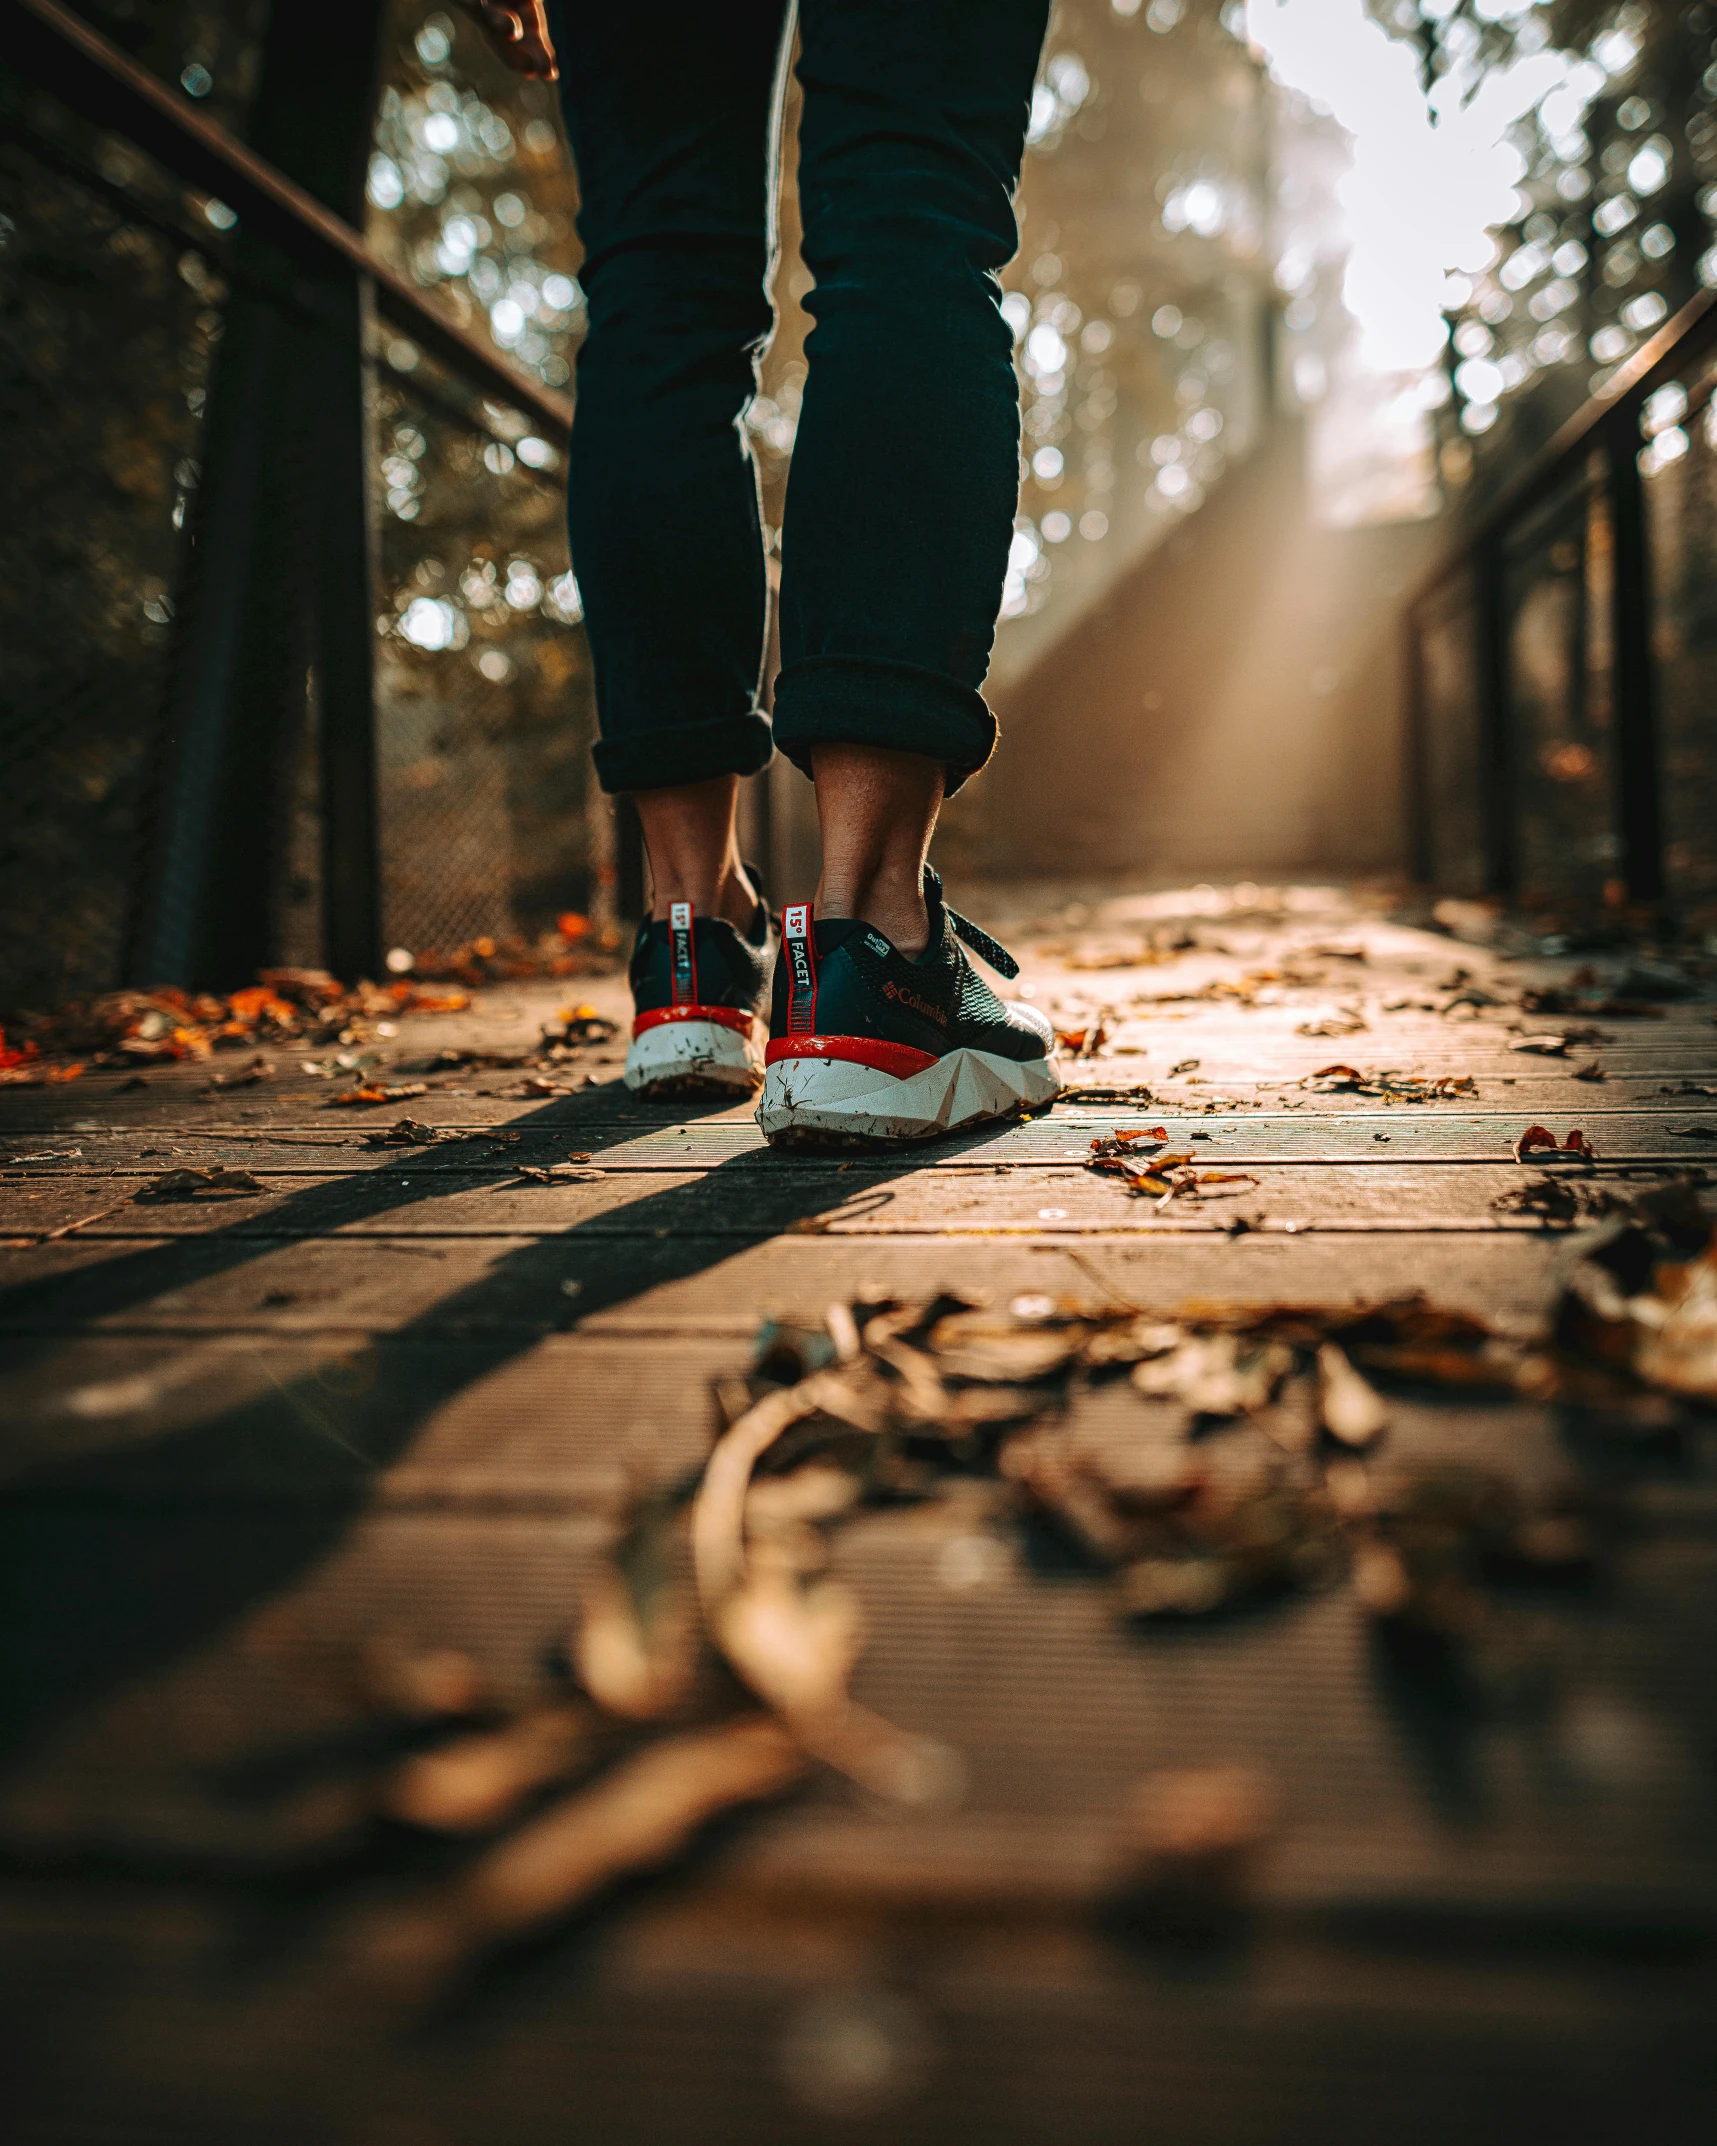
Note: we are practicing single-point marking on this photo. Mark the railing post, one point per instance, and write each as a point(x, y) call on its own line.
point(346, 657)
point(280, 569)
point(1496, 726)
point(1638, 799)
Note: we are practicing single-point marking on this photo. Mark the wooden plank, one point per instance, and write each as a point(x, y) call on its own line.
point(644, 1140)
point(556, 1421)
point(1382, 1137)
point(636, 1204)
point(1014, 1671)
point(543, 1420)
point(700, 2022)
point(653, 1286)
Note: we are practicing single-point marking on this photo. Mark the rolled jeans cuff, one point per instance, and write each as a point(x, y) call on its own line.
point(686, 752)
point(869, 700)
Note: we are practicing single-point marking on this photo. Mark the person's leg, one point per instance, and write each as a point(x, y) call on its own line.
point(692, 843)
point(910, 141)
point(877, 808)
point(670, 113)
point(909, 146)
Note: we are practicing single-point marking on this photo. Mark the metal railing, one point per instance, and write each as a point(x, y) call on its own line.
point(272, 635)
point(1561, 727)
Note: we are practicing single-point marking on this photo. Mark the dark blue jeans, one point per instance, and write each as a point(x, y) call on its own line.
point(904, 478)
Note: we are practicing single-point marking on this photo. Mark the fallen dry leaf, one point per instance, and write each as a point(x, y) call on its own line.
point(1553, 999)
point(1677, 1346)
point(636, 1648)
point(292, 1006)
point(1197, 1831)
point(420, 1683)
point(26, 1074)
point(1390, 1087)
point(1165, 1176)
point(372, 1092)
point(186, 1184)
point(1540, 1140)
point(476, 1781)
point(638, 1815)
point(583, 1025)
point(407, 1133)
point(1349, 1406)
point(258, 1069)
point(1232, 1543)
point(795, 1645)
point(1642, 1302)
point(642, 1813)
point(1333, 1024)
point(1217, 1374)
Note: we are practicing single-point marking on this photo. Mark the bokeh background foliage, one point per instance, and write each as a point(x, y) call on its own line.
point(1182, 293)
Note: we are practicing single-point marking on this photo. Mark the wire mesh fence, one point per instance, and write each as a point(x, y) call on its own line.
point(131, 312)
point(485, 708)
point(102, 454)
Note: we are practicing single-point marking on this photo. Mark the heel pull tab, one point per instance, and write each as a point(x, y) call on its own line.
point(799, 945)
point(981, 943)
point(683, 946)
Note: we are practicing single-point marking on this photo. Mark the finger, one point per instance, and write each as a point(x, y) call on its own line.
point(536, 54)
point(518, 34)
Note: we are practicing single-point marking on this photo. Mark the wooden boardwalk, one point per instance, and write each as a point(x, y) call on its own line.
point(393, 1402)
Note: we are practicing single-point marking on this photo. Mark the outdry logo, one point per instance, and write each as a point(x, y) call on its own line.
point(918, 1005)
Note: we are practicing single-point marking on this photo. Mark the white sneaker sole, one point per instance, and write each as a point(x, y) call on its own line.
point(694, 1057)
point(835, 1096)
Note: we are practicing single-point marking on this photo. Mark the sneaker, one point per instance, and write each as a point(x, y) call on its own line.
point(698, 988)
point(868, 1046)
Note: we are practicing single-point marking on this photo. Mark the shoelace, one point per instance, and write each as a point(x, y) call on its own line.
point(976, 938)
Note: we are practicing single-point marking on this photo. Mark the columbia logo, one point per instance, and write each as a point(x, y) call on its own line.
point(903, 997)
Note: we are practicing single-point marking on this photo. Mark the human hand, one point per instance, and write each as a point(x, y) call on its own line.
point(518, 30)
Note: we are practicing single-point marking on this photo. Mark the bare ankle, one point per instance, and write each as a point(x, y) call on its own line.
point(893, 904)
point(877, 808)
point(693, 854)
point(724, 891)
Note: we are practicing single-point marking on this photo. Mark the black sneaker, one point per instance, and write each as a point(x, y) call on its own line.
point(698, 987)
point(866, 1045)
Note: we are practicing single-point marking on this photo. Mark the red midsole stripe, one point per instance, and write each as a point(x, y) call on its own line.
point(900, 1059)
point(734, 1017)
